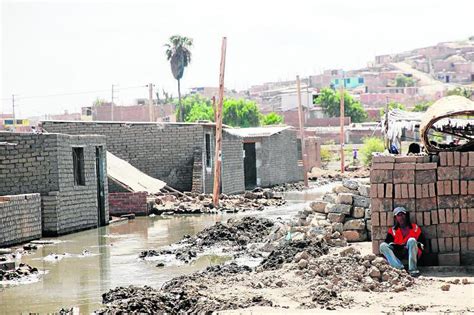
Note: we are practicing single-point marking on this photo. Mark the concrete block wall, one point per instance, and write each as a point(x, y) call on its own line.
point(438, 190)
point(232, 175)
point(125, 203)
point(277, 159)
point(20, 218)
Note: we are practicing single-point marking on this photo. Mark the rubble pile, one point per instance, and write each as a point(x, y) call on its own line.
point(346, 211)
point(319, 174)
point(349, 271)
point(23, 270)
point(191, 203)
point(237, 233)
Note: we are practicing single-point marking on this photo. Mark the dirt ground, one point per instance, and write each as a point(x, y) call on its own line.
point(425, 296)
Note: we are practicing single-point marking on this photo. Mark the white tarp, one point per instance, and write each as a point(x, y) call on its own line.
point(129, 176)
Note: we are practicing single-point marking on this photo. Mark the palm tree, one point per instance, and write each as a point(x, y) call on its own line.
point(178, 52)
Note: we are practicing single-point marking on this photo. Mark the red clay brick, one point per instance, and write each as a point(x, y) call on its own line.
point(419, 191)
point(382, 166)
point(381, 176)
point(463, 187)
point(389, 190)
point(430, 231)
point(426, 218)
point(373, 190)
point(404, 188)
point(447, 230)
point(405, 166)
point(456, 215)
point(375, 247)
point(390, 221)
point(383, 218)
point(380, 190)
point(398, 191)
point(426, 204)
point(426, 166)
point(466, 173)
point(471, 159)
point(470, 187)
point(404, 177)
point(411, 190)
point(448, 243)
point(464, 217)
point(450, 201)
point(419, 218)
point(383, 159)
point(425, 190)
point(457, 158)
point(441, 247)
point(434, 245)
point(449, 158)
point(449, 215)
point(470, 215)
point(405, 159)
point(425, 176)
point(381, 205)
point(464, 158)
point(455, 187)
point(448, 172)
point(470, 241)
point(407, 203)
point(432, 189)
point(375, 219)
point(443, 159)
point(441, 216)
point(463, 241)
point(449, 259)
point(412, 217)
point(440, 188)
point(456, 244)
point(434, 216)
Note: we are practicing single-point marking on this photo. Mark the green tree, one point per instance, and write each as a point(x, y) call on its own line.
point(392, 105)
point(241, 113)
point(329, 100)
point(371, 145)
point(461, 91)
point(188, 103)
point(200, 111)
point(422, 107)
point(272, 119)
point(404, 81)
point(178, 53)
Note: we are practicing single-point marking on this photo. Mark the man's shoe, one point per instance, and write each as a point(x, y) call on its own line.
point(414, 273)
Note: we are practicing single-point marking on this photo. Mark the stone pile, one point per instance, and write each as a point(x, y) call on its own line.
point(345, 211)
point(22, 271)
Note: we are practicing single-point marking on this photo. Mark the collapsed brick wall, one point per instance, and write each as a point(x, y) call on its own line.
point(20, 218)
point(438, 191)
point(125, 203)
point(43, 164)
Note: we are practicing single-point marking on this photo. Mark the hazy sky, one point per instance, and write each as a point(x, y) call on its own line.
point(56, 47)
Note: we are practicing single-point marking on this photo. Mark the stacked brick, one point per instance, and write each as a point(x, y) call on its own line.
point(20, 218)
point(126, 203)
point(438, 191)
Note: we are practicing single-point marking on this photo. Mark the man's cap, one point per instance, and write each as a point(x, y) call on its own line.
point(398, 210)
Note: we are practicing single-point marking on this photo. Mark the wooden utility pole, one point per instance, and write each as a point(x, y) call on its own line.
point(341, 139)
point(218, 155)
point(303, 145)
point(150, 102)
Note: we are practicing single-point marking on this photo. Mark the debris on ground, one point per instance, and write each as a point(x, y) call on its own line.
point(412, 308)
point(22, 271)
point(319, 173)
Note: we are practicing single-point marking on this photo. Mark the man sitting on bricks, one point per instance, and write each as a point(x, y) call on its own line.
point(404, 240)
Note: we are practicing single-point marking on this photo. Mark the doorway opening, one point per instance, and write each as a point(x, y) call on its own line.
point(250, 166)
point(100, 166)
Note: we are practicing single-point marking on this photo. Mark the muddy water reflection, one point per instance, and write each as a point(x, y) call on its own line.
point(112, 260)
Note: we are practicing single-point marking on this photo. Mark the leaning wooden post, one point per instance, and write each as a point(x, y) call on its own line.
point(218, 115)
point(303, 144)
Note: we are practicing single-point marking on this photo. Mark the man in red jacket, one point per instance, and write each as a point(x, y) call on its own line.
point(404, 240)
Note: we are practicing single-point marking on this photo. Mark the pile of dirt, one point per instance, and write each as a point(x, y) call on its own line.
point(22, 271)
point(318, 173)
point(286, 252)
point(236, 234)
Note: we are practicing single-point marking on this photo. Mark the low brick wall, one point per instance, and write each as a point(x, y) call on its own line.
point(438, 190)
point(125, 203)
point(20, 218)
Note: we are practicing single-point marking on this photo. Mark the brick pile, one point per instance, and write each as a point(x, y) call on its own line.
point(125, 203)
point(438, 191)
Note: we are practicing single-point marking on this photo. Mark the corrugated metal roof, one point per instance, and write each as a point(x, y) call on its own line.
point(256, 132)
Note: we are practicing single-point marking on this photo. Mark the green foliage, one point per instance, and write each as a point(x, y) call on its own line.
point(461, 92)
point(326, 156)
point(371, 145)
point(191, 101)
point(272, 119)
point(404, 81)
point(200, 111)
point(178, 53)
point(240, 113)
point(329, 100)
point(422, 107)
point(392, 105)
point(99, 101)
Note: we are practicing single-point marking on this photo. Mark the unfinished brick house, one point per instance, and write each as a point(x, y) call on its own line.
point(67, 171)
point(181, 154)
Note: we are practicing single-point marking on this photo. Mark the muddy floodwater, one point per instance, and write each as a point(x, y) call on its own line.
point(101, 259)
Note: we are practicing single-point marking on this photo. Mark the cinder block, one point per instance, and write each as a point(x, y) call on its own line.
point(449, 259)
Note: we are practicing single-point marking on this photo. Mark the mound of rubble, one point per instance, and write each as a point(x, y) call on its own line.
point(22, 271)
point(346, 209)
point(195, 203)
point(235, 234)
